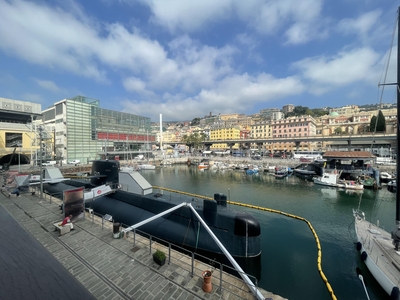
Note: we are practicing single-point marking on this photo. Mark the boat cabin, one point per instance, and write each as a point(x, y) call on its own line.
point(351, 163)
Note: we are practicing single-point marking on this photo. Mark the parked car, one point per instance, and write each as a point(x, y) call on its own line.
point(49, 163)
point(74, 162)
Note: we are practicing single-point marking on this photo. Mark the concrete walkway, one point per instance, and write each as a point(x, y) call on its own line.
point(107, 267)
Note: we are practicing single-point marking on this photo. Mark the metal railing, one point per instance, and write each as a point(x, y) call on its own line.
point(138, 237)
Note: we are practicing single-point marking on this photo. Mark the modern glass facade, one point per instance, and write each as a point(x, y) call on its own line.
point(81, 144)
point(86, 132)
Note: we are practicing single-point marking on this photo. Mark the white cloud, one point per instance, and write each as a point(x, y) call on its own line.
point(32, 97)
point(65, 42)
point(49, 37)
point(361, 25)
point(188, 15)
point(183, 76)
point(345, 68)
point(47, 84)
point(266, 17)
point(303, 18)
point(232, 94)
point(134, 84)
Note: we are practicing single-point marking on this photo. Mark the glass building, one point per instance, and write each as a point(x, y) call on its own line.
point(85, 131)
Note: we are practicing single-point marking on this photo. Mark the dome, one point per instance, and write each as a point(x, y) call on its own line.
point(334, 114)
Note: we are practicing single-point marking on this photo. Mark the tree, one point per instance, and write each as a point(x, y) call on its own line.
point(378, 124)
point(304, 111)
point(381, 126)
point(372, 124)
point(319, 112)
point(338, 130)
point(194, 140)
point(195, 121)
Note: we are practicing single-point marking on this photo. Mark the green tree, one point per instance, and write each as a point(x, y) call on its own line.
point(338, 130)
point(378, 124)
point(372, 124)
point(195, 121)
point(381, 126)
point(304, 111)
point(194, 140)
point(319, 112)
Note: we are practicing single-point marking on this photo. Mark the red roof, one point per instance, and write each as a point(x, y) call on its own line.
point(349, 154)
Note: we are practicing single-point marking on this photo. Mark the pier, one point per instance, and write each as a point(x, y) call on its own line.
point(114, 268)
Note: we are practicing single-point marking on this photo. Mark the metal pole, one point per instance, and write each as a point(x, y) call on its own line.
point(41, 159)
point(245, 278)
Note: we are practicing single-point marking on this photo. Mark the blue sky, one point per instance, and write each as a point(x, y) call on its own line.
point(186, 58)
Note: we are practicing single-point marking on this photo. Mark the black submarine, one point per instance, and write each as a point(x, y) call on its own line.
point(133, 200)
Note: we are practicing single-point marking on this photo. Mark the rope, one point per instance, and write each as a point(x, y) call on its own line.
point(319, 256)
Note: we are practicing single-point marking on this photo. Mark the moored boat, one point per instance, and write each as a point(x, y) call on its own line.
point(350, 185)
point(202, 166)
point(281, 172)
point(328, 179)
point(368, 182)
point(147, 167)
point(385, 177)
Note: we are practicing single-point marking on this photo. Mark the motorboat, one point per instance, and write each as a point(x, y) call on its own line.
point(327, 179)
point(147, 167)
point(350, 185)
point(385, 177)
point(281, 172)
point(202, 166)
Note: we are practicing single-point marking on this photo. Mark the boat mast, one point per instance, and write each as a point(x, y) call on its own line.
point(398, 123)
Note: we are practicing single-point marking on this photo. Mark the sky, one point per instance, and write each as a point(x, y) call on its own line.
point(188, 58)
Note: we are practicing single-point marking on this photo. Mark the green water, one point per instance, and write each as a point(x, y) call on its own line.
point(289, 251)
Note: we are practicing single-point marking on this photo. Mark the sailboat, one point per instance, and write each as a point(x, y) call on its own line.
point(380, 249)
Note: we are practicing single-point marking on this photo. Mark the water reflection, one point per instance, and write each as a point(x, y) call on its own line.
point(329, 193)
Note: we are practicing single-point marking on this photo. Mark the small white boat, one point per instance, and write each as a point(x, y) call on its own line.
point(350, 185)
point(385, 177)
point(147, 167)
point(328, 179)
point(202, 166)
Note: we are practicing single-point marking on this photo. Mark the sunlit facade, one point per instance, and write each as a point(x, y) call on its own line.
point(84, 131)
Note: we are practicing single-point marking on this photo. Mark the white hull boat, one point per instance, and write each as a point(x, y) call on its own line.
point(350, 185)
point(327, 179)
point(378, 253)
point(147, 167)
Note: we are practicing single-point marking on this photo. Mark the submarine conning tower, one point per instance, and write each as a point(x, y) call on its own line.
point(245, 224)
point(105, 172)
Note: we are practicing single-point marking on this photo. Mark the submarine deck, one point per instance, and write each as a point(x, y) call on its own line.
point(112, 268)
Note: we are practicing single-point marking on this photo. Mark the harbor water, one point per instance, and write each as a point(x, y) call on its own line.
point(289, 250)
